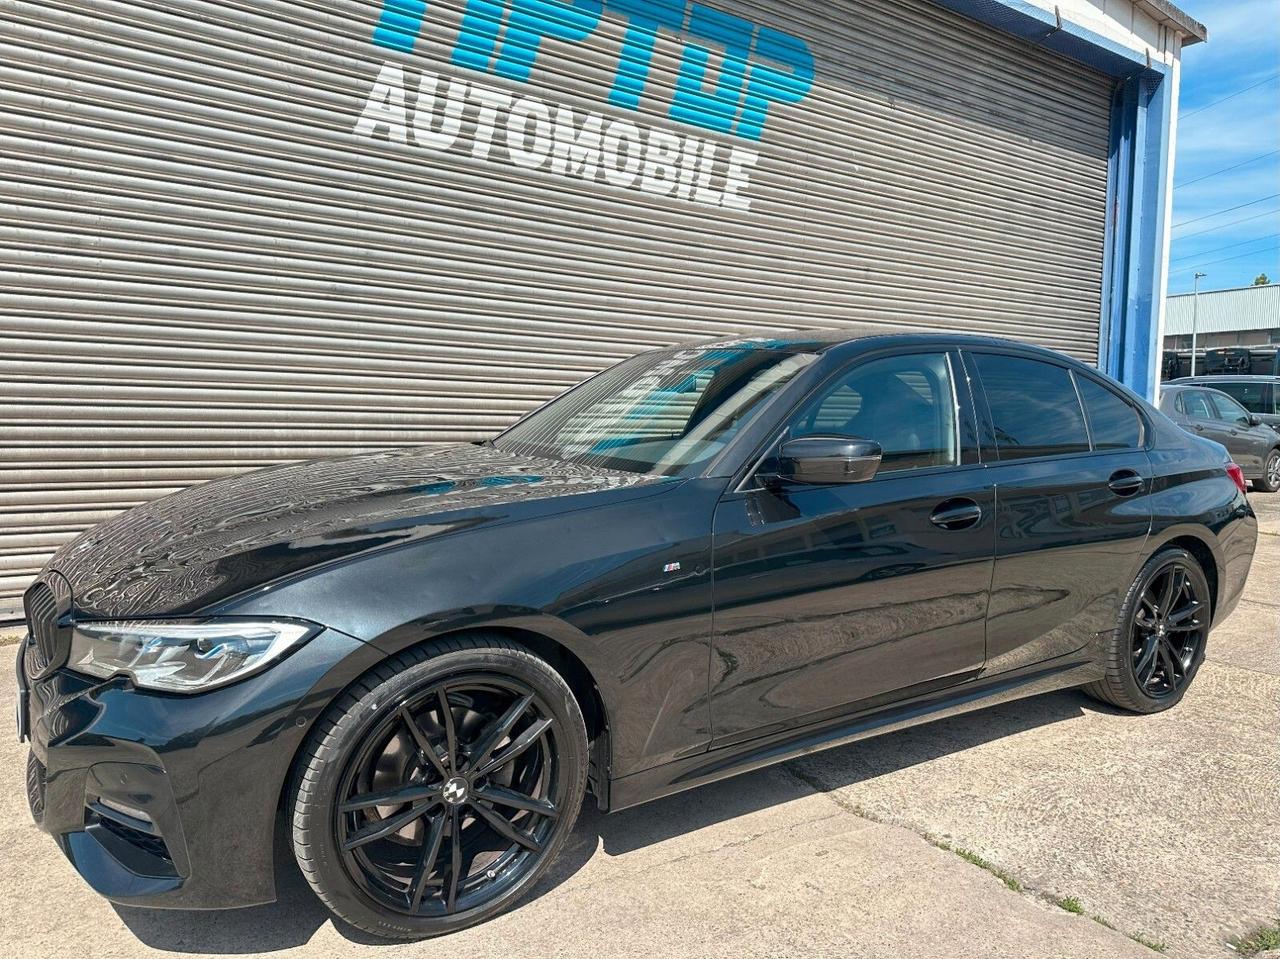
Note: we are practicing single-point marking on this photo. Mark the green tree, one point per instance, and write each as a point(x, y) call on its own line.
point(1261, 280)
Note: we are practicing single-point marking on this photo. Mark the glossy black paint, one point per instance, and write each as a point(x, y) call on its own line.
point(722, 623)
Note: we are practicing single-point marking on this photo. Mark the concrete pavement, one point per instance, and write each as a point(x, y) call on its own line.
point(1164, 826)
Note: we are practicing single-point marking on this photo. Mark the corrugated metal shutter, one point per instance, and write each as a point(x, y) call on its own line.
point(206, 269)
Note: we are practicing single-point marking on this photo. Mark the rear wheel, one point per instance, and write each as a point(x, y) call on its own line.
point(1270, 479)
point(436, 791)
point(1159, 643)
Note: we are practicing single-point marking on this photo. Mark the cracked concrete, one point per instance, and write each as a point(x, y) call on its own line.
point(1165, 826)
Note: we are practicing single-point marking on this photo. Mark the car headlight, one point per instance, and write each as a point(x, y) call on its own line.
point(183, 657)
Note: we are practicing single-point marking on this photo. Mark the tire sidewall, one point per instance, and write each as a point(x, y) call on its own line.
point(1263, 484)
point(1157, 563)
point(315, 797)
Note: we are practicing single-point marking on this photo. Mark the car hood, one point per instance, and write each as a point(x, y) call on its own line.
point(196, 548)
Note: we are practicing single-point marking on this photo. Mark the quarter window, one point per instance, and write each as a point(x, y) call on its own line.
point(1113, 423)
point(1034, 407)
point(905, 403)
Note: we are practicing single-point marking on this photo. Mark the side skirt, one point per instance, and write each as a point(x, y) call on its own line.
point(1063, 673)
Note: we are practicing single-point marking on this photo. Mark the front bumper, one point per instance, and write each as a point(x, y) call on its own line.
point(170, 801)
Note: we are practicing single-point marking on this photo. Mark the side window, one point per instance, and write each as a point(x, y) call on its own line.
point(905, 403)
point(1249, 395)
point(1113, 423)
point(1034, 407)
point(1196, 406)
point(1228, 410)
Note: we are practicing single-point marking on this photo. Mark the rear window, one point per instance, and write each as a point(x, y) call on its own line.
point(1113, 423)
point(1034, 407)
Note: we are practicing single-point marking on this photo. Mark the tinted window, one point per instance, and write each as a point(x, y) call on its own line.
point(659, 413)
point(1196, 405)
point(1228, 410)
point(1113, 423)
point(1252, 396)
point(904, 403)
point(1034, 407)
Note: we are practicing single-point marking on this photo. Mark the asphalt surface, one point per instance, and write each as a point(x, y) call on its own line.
point(1166, 827)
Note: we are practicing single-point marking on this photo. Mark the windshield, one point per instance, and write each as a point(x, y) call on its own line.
point(660, 413)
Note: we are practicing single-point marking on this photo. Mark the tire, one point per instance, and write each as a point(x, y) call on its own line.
point(1135, 682)
point(366, 861)
point(1269, 482)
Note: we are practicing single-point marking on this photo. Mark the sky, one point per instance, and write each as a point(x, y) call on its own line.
point(1229, 117)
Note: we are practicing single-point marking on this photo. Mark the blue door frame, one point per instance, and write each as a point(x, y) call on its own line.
point(1137, 182)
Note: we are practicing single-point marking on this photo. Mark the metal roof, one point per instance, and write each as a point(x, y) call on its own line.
point(1225, 311)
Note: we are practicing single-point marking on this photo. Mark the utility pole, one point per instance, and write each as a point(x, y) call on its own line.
point(1195, 321)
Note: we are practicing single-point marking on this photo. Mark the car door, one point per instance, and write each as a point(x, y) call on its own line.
point(829, 598)
point(1072, 504)
point(1199, 416)
point(1248, 444)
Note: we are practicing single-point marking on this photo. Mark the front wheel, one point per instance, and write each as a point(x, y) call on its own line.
point(438, 789)
point(1269, 482)
point(1159, 643)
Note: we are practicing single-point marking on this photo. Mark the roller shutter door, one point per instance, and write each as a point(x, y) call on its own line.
point(211, 264)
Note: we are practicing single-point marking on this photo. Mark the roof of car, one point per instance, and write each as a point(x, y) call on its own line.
point(822, 340)
point(1225, 378)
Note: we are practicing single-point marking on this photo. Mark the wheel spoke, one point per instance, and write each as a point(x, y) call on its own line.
point(1186, 612)
point(424, 744)
point(383, 827)
point(408, 793)
point(1168, 593)
point(1169, 661)
point(1146, 665)
point(499, 731)
point(516, 747)
point(506, 829)
point(501, 796)
point(1190, 627)
point(450, 734)
point(455, 859)
point(426, 861)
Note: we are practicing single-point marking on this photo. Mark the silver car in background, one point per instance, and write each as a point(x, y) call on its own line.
point(1214, 415)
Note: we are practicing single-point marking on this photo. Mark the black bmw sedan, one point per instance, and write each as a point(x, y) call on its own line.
point(418, 663)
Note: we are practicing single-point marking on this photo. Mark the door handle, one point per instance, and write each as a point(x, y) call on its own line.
point(1125, 483)
point(1197, 427)
point(956, 514)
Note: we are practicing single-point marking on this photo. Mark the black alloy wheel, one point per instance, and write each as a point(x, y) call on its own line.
point(443, 791)
point(1168, 631)
point(1163, 629)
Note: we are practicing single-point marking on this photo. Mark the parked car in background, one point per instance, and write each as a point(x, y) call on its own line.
point(699, 562)
point(1259, 395)
point(1213, 414)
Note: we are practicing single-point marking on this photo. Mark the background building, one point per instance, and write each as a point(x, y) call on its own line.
point(1249, 316)
point(244, 233)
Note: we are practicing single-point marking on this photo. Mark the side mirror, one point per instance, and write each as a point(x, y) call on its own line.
point(823, 460)
point(1255, 419)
